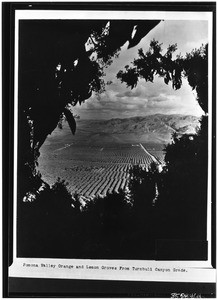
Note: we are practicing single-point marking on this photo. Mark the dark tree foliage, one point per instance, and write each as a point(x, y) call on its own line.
point(142, 187)
point(114, 227)
point(182, 205)
point(194, 67)
point(181, 208)
point(46, 225)
point(62, 63)
point(107, 223)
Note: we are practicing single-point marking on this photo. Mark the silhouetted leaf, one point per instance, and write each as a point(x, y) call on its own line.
point(70, 119)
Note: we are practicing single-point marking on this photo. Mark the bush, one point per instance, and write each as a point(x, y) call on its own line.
point(46, 223)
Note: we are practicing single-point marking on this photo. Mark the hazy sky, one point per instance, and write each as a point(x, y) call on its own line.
point(148, 98)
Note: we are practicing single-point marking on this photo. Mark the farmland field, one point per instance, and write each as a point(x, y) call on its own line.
point(94, 170)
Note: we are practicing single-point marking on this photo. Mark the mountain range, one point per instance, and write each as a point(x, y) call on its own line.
point(156, 128)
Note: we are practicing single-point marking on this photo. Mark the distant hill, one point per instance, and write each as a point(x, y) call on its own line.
point(153, 123)
point(156, 128)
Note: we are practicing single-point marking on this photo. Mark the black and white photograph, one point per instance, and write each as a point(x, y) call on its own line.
point(113, 144)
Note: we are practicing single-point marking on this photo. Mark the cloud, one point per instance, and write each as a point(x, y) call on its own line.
point(130, 93)
point(148, 98)
point(161, 98)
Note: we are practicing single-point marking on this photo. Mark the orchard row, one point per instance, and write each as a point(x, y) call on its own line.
point(95, 171)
